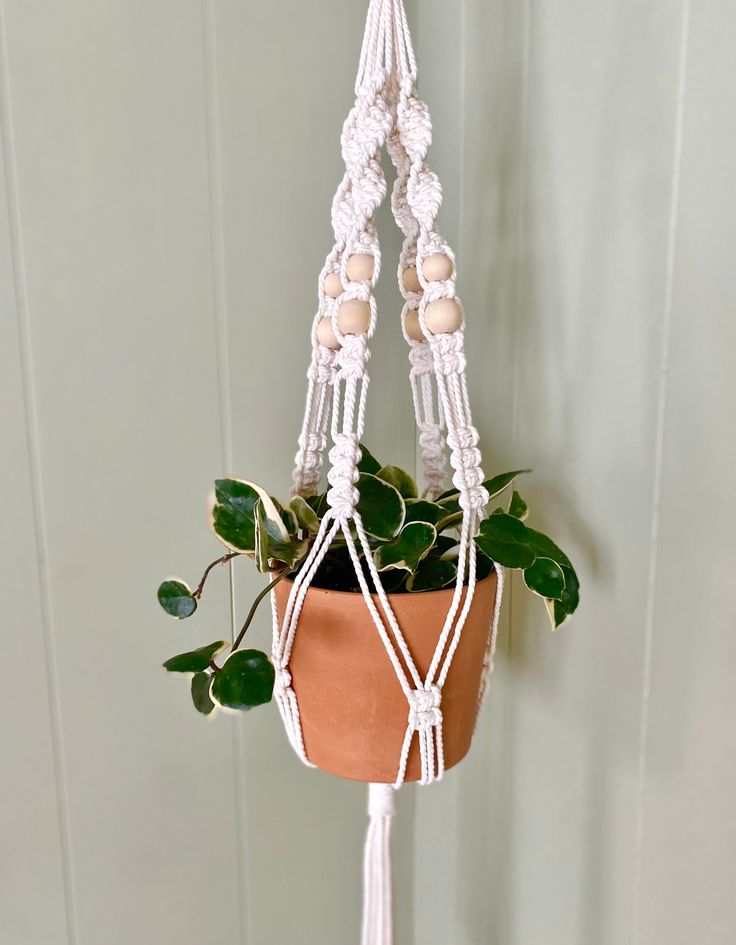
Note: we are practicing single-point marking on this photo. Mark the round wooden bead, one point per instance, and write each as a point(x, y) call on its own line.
point(326, 335)
point(412, 326)
point(354, 317)
point(360, 267)
point(443, 316)
point(411, 280)
point(333, 285)
point(437, 267)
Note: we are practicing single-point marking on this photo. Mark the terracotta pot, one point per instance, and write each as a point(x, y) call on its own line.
point(353, 710)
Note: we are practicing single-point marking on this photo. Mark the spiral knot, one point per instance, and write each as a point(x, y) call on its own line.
point(344, 458)
point(424, 709)
point(416, 127)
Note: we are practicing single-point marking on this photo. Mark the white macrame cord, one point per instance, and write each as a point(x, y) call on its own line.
point(387, 114)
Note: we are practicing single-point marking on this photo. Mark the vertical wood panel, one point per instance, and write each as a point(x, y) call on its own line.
point(689, 829)
point(578, 310)
point(32, 862)
point(282, 96)
point(600, 137)
point(111, 147)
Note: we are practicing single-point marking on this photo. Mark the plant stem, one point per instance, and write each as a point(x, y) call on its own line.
point(228, 557)
point(252, 612)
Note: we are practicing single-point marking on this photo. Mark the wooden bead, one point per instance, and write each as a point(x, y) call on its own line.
point(354, 317)
point(412, 326)
point(443, 316)
point(360, 267)
point(411, 280)
point(333, 285)
point(326, 335)
point(437, 267)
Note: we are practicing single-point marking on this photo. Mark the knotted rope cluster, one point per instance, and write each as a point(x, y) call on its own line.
point(387, 113)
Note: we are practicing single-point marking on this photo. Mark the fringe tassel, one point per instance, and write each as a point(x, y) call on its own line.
point(377, 909)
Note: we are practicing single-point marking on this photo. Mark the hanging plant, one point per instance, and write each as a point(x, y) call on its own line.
point(415, 548)
point(385, 601)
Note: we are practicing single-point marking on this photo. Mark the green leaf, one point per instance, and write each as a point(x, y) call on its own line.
point(262, 537)
point(497, 484)
point(570, 598)
point(400, 480)
point(380, 507)
point(246, 680)
point(450, 521)
point(432, 575)
point(394, 582)
point(201, 693)
point(545, 577)
point(504, 539)
point(483, 567)
point(368, 463)
point(446, 547)
point(289, 553)
point(494, 486)
point(233, 517)
point(176, 598)
point(318, 503)
point(305, 515)
point(406, 551)
point(196, 661)
point(518, 507)
point(560, 611)
point(287, 516)
point(546, 548)
point(421, 510)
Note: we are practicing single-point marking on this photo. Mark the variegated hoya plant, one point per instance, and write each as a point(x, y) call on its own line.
point(415, 546)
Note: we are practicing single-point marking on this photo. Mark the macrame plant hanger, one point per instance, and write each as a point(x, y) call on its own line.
point(387, 113)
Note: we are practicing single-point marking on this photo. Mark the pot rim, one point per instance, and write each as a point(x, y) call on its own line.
point(353, 595)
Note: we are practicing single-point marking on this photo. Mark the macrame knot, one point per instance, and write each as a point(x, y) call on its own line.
point(343, 474)
point(312, 442)
point(353, 357)
point(322, 368)
point(424, 193)
point(449, 354)
point(421, 360)
point(282, 682)
point(415, 127)
point(424, 709)
point(463, 438)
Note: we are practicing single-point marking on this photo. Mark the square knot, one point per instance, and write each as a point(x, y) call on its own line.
point(353, 356)
point(282, 683)
point(421, 359)
point(313, 442)
point(343, 474)
point(462, 438)
point(424, 709)
point(449, 351)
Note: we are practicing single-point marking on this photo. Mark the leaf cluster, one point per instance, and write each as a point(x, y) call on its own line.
point(414, 543)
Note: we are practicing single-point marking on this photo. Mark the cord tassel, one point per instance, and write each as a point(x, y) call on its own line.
point(377, 907)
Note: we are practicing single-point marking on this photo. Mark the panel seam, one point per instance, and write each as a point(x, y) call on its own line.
point(662, 400)
point(220, 306)
point(30, 410)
